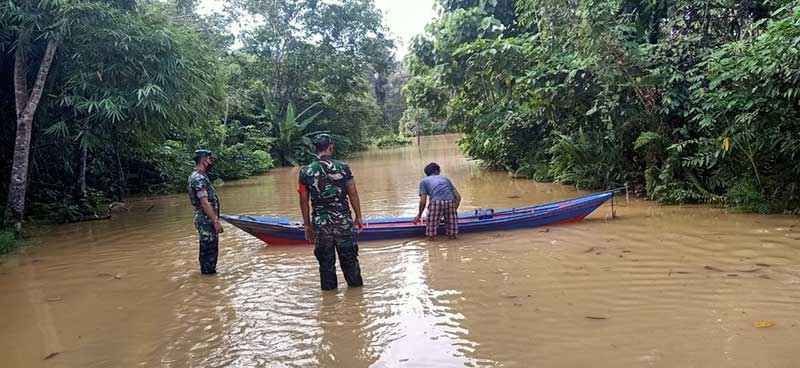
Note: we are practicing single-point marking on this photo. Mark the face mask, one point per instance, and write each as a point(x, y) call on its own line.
point(211, 171)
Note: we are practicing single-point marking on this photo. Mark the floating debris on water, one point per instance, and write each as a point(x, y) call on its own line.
point(116, 277)
point(762, 324)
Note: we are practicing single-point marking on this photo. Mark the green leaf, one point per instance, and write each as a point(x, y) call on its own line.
point(59, 130)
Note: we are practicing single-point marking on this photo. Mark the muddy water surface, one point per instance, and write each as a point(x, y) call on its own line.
point(657, 286)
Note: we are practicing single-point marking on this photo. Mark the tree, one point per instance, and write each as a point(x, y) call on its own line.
point(665, 96)
point(293, 141)
point(128, 79)
point(306, 52)
point(132, 89)
point(46, 22)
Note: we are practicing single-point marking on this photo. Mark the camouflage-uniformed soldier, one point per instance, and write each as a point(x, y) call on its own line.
point(329, 183)
point(206, 211)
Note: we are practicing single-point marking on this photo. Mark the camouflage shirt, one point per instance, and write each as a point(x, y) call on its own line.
point(326, 180)
point(200, 186)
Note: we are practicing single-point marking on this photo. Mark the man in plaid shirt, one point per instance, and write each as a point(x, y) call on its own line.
point(444, 201)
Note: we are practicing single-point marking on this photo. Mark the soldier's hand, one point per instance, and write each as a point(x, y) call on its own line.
point(218, 227)
point(359, 225)
point(416, 220)
point(309, 234)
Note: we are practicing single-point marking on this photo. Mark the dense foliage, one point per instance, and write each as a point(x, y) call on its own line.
point(391, 141)
point(418, 121)
point(8, 242)
point(685, 100)
point(135, 87)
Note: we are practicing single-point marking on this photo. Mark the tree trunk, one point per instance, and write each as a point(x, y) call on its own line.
point(20, 81)
point(82, 172)
point(418, 131)
point(122, 182)
point(22, 143)
point(379, 87)
point(225, 119)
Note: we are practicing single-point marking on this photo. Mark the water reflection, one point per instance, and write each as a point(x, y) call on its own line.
point(418, 326)
point(202, 315)
point(345, 337)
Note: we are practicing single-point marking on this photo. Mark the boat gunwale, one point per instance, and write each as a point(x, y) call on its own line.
point(265, 224)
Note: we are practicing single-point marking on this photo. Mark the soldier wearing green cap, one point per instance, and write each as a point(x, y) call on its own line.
point(206, 210)
point(329, 184)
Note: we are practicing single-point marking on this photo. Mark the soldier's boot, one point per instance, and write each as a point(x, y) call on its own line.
point(209, 250)
point(326, 255)
point(348, 258)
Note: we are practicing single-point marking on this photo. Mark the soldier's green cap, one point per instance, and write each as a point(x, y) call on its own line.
point(322, 140)
point(203, 153)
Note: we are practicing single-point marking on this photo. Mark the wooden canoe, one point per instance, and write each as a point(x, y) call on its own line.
point(281, 231)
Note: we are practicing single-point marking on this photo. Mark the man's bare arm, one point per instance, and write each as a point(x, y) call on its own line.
point(423, 201)
point(457, 196)
point(306, 216)
point(355, 202)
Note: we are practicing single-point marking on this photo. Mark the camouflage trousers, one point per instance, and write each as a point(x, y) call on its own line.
point(327, 245)
point(209, 244)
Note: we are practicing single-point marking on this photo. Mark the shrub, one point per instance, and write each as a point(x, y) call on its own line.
point(391, 141)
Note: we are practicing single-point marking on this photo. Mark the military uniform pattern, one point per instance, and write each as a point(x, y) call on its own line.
point(326, 181)
point(200, 186)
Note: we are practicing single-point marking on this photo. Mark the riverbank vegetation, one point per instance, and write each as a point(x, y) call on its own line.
point(102, 100)
point(418, 121)
point(683, 100)
point(391, 141)
point(8, 242)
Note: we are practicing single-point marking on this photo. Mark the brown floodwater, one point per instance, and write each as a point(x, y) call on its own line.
point(655, 286)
